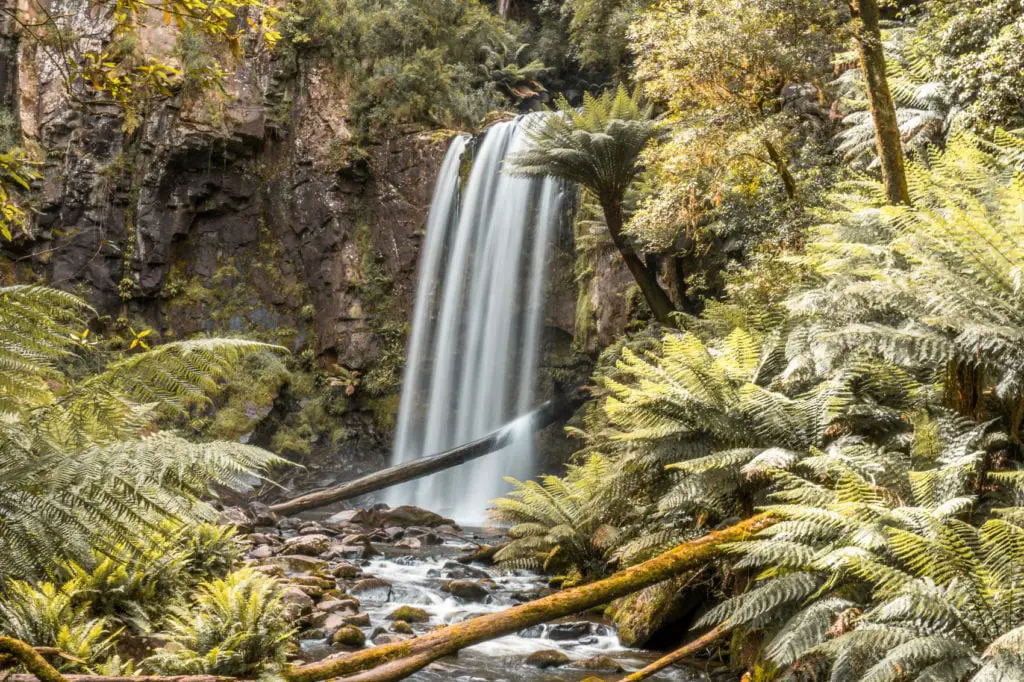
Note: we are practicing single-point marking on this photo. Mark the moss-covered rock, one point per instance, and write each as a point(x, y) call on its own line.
point(410, 614)
point(349, 636)
point(547, 658)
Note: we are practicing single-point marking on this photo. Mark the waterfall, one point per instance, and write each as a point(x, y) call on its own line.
point(475, 340)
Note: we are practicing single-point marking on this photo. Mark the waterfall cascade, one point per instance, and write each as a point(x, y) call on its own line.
point(474, 347)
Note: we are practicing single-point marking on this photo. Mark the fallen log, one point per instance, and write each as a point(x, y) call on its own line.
point(396, 661)
point(678, 655)
point(544, 415)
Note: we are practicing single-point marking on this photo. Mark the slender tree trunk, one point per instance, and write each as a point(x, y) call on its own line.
point(679, 654)
point(397, 661)
point(658, 301)
point(782, 169)
point(883, 110)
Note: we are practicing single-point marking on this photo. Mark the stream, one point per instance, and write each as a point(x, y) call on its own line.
point(397, 576)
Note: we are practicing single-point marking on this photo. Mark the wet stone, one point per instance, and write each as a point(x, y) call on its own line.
point(568, 631)
point(307, 545)
point(547, 658)
point(410, 614)
point(360, 619)
point(402, 628)
point(468, 590)
point(296, 602)
point(346, 571)
point(456, 571)
point(261, 552)
point(409, 543)
point(600, 663)
point(349, 636)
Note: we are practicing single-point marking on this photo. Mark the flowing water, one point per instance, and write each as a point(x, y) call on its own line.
point(476, 327)
point(417, 579)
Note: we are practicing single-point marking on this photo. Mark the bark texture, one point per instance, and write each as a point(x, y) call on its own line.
point(399, 660)
point(646, 278)
point(883, 110)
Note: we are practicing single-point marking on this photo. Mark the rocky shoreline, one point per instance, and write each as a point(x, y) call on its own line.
point(365, 577)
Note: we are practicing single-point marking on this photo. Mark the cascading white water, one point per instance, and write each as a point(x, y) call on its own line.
point(476, 327)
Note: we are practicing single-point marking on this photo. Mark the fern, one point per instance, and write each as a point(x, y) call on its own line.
point(235, 628)
point(80, 472)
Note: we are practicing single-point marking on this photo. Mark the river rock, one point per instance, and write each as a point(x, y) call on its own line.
point(393, 533)
point(561, 632)
point(428, 537)
point(270, 569)
point(346, 571)
point(483, 554)
point(312, 528)
point(402, 628)
point(469, 590)
point(262, 515)
point(389, 638)
point(410, 614)
point(237, 517)
point(349, 552)
point(351, 517)
point(300, 562)
point(307, 545)
point(547, 658)
point(375, 589)
point(264, 539)
point(296, 603)
point(261, 552)
point(360, 619)
point(333, 605)
point(601, 663)
point(453, 570)
point(408, 515)
point(409, 543)
point(349, 636)
point(290, 523)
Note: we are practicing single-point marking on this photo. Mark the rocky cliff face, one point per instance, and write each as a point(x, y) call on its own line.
point(254, 211)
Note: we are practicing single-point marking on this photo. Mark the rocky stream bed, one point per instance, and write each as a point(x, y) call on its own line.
point(365, 577)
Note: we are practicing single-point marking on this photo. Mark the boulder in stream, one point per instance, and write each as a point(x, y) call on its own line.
point(349, 636)
point(296, 603)
point(307, 545)
point(547, 658)
point(408, 515)
point(402, 628)
point(468, 590)
point(601, 663)
point(410, 614)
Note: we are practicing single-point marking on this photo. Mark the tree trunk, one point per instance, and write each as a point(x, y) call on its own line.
point(679, 654)
point(544, 415)
point(782, 169)
point(396, 661)
point(883, 110)
point(646, 278)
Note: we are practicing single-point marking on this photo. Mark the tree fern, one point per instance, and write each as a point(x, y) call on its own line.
point(80, 471)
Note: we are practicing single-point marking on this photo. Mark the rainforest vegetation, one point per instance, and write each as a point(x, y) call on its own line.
point(800, 458)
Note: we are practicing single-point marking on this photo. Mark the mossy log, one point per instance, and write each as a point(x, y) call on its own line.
point(544, 415)
point(39, 670)
point(399, 660)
